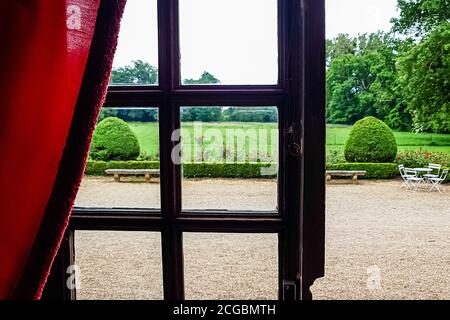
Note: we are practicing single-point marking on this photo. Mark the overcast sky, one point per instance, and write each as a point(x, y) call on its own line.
point(235, 39)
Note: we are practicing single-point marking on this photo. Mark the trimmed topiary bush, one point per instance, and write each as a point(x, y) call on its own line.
point(370, 140)
point(114, 140)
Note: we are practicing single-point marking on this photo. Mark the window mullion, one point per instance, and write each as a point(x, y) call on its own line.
point(172, 246)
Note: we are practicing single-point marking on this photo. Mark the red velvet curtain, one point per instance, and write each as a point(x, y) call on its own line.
point(55, 62)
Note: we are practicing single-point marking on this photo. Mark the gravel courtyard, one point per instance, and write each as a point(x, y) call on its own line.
point(372, 228)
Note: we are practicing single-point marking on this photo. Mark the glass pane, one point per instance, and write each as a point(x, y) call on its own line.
point(228, 42)
point(123, 166)
point(118, 265)
point(231, 266)
point(229, 157)
point(136, 58)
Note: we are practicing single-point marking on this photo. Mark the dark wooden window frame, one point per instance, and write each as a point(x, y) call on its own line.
point(299, 96)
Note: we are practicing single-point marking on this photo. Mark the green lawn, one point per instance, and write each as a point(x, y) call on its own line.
point(148, 136)
point(337, 135)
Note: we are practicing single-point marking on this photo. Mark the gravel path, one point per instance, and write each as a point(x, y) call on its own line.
point(404, 236)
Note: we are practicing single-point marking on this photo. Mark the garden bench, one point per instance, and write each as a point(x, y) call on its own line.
point(147, 173)
point(345, 173)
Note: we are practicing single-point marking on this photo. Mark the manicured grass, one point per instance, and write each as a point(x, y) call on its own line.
point(148, 136)
point(444, 149)
point(208, 135)
point(246, 136)
point(337, 135)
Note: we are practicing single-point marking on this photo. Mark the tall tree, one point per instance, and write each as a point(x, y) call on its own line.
point(419, 17)
point(425, 80)
point(139, 73)
point(206, 114)
point(343, 44)
point(364, 82)
point(205, 78)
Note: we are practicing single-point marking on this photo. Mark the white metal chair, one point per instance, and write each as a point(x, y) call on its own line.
point(414, 181)
point(437, 182)
point(435, 173)
point(409, 177)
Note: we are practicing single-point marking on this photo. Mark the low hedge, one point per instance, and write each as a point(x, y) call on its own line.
point(239, 170)
point(190, 170)
point(227, 170)
point(374, 170)
point(97, 168)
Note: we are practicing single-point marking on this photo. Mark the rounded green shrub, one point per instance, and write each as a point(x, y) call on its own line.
point(370, 140)
point(114, 140)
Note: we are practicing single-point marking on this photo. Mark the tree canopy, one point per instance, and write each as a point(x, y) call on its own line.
point(205, 78)
point(362, 80)
point(425, 81)
point(402, 80)
point(401, 77)
point(138, 73)
point(419, 17)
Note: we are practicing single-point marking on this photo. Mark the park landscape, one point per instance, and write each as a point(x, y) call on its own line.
point(148, 136)
point(372, 224)
point(399, 82)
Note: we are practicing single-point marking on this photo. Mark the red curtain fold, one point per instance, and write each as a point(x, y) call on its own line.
point(54, 75)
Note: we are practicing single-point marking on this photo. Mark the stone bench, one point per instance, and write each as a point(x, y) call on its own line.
point(345, 173)
point(147, 173)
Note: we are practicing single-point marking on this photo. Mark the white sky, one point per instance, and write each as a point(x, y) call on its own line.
point(359, 16)
point(232, 40)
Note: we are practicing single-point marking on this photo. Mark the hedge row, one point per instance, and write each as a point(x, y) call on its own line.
point(231, 170)
point(191, 170)
point(240, 170)
point(97, 168)
point(374, 170)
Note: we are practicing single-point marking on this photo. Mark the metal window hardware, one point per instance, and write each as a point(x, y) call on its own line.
point(295, 147)
point(289, 290)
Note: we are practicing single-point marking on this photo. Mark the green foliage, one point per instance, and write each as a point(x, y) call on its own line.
point(362, 80)
point(97, 168)
point(342, 45)
point(205, 114)
point(205, 78)
point(419, 158)
point(418, 17)
point(337, 135)
point(191, 170)
point(370, 140)
point(139, 73)
point(114, 140)
point(373, 170)
point(425, 80)
point(231, 114)
point(403, 82)
point(248, 114)
point(229, 170)
point(209, 114)
point(335, 156)
point(130, 114)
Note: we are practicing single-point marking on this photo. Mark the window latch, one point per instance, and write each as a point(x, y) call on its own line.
point(289, 290)
point(295, 147)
